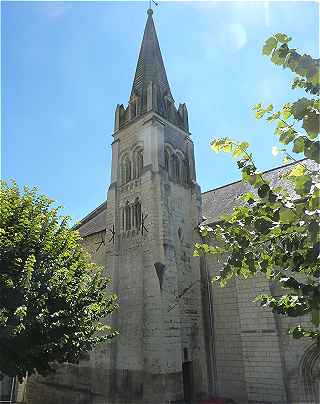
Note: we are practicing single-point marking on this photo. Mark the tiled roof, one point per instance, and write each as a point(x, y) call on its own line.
point(214, 202)
point(223, 199)
point(94, 222)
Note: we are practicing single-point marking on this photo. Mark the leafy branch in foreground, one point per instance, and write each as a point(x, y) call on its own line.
point(273, 231)
point(52, 298)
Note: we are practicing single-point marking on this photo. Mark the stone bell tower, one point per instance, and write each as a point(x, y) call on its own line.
point(153, 207)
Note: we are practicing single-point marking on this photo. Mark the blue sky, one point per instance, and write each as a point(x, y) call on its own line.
point(65, 66)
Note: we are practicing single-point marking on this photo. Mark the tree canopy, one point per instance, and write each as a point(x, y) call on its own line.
point(52, 297)
point(272, 231)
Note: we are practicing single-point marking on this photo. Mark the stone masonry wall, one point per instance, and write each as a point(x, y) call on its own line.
point(158, 328)
point(256, 360)
point(228, 346)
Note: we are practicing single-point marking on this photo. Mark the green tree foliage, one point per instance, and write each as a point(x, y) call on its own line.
point(51, 296)
point(272, 231)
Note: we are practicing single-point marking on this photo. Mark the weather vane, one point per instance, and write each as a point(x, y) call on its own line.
point(150, 4)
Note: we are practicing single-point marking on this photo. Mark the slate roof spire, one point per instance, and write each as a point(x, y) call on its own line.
point(150, 66)
point(150, 89)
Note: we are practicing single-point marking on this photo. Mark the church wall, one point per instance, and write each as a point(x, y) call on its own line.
point(264, 368)
point(251, 362)
point(95, 246)
point(300, 371)
point(230, 373)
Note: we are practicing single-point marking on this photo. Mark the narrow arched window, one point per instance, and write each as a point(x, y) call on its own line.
point(127, 169)
point(137, 213)
point(185, 171)
point(166, 160)
point(128, 216)
point(123, 173)
point(176, 167)
point(139, 162)
point(172, 166)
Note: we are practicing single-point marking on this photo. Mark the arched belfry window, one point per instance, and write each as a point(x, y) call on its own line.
point(126, 174)
point(185, 172)
point(128, 216)
point(139, 162)
point(137, 213)
point(127, 170)
point(176, 168)
point(167, 160)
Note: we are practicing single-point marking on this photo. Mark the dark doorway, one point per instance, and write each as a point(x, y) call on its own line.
point(187, 381)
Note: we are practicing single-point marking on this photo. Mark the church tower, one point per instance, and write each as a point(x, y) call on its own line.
point(153, 208)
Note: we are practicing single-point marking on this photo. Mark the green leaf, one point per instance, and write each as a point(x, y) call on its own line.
point(298, 144)
point(227, 147)
point(222, 144)
point(313, 228)
point(277, 58)
point(286, 111)
point(263, 225)
point(314, 201)
point(296, 332)
point(257, 106)
point(287, 215)
point(215, 146)
point(274, 116)
point(244, 146)
point(263, 190)
point(299, 108)
point(260, 113)
point(282, 38)
point(311, 124)
point(302, 184)
point(287, 135)
point(269, 45)
point(280, 127)
point(249, 197)
point(283, 50)
point(315, 79)
point(312, 150)
point(287, 159)
point(297, 171)
point(21, 311)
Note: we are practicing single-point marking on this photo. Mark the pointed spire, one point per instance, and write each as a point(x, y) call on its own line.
point(150, 67)
point(150, 89)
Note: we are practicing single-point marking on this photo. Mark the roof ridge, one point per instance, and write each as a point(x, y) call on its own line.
point(93, 213)
point(263, 172)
